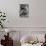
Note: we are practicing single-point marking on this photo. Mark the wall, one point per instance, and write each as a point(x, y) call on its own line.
point(37, 13)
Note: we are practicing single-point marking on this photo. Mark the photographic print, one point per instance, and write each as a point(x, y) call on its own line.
point(24, 10)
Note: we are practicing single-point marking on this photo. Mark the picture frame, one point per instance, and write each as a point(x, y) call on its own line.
point(24, 10)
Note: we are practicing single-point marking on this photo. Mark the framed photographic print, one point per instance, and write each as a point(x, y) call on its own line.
point(24, 10)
